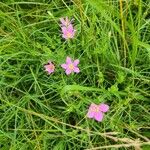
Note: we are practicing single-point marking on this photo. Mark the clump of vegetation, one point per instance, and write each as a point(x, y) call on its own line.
point(46, 109)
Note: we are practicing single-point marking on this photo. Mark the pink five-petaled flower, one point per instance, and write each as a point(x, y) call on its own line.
point(71, 66)
point(65, 22)
point(68, 32)
point(49, 67)
point(97, 111)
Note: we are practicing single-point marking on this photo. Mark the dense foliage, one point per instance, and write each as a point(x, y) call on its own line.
point(41, 111)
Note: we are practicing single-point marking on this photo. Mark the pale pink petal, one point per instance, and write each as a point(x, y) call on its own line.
point(90, 114)
point(68, 60)
point(50, 71)
point(67, 21)
point(103, 107)
point(65, 36)
point(47, 67)
point(76, 62)
point(76, 69)
point(63, 21)
point(92, 106)
point(70, 28)
point(98, 116)
point(64, 66)
point(68, 71)
point(64, 30)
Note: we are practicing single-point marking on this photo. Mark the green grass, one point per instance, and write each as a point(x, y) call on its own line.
point(48, 112)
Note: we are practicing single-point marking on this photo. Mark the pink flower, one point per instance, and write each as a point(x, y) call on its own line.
point(97, 111)
point(71, 66)
point(49, 67)
point(65, 22)
point(68, 32)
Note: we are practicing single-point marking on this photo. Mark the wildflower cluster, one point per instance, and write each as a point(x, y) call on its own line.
point(71, 66)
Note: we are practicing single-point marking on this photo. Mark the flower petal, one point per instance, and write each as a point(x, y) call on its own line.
point(68, 60)
point(65, 36)
point(67, 21)
point(64, 66)
point(92, 106)
point(103, 107)
point(50, 71)
point(68, 71)
point(76, 62)
point(63, 21)
point(98, 116)
point(90, 114)
point(64, 30)
point(76, 69)
point(70, 28)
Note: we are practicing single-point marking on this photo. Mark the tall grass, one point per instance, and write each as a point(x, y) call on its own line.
point(42, 112)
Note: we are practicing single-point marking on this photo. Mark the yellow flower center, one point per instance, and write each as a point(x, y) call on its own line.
point(95, 109)
point(71, 66)
point(68, 34)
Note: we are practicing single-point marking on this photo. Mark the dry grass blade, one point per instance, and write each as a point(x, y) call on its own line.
point(135, 144)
